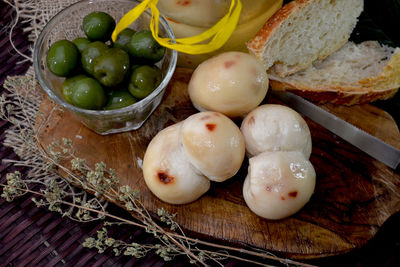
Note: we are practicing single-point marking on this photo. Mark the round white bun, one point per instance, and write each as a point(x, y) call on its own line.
point(213, 144)
point(233, 83)
point(167, 172)
point(273, 127)
point(278, 184)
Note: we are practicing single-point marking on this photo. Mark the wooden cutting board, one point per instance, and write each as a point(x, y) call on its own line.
point(354, 195)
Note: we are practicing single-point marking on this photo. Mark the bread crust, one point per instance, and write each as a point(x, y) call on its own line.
point(255, 45)
point(389, 77)
point(381, 87)
point(347, 98)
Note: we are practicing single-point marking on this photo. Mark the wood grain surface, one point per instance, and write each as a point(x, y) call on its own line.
point(354, 195)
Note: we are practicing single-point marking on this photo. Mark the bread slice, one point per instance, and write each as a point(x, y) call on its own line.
point(355, 74)
point(303, 31)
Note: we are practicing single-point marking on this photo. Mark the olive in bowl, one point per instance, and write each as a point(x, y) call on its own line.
point(143, 47)
point(68, 25)
point(98, 26)
point(144, 80)
point(62, 58)
point(111, 67)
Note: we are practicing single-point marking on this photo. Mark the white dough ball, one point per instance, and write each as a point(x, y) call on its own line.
point(275, 128)
point(167, 171)
point(233, 83)
point(213, 144)
point(278, 184)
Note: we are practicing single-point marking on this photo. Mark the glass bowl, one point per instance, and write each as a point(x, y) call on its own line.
point(67, 25)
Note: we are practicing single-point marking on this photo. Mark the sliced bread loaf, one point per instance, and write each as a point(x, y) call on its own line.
point(355, 74)
point(304, 31)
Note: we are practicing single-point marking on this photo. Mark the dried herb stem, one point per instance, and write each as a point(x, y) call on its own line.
point(149, 220)
point(244, 251)
point(178, 236)
point(237, 258)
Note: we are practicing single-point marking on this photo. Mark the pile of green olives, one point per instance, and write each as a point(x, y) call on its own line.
point(101, 74)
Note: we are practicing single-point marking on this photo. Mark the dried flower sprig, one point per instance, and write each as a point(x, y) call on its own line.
point(12, 189)
point(220, 254)
point(104, 183)
point(103, 242)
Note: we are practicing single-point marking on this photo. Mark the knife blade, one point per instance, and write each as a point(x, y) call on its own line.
point(376, 148)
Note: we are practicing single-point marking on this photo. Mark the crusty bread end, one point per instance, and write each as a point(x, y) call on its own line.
point(357, 73)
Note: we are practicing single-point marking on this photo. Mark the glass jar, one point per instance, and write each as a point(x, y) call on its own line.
point(191, 17)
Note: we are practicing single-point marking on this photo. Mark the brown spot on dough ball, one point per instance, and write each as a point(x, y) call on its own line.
point(183, 2)
point(268, 188)
point(206, 117)
point(293, 194)
point(211, 126)
point(251, 121)
point(283, 198)
point(229, 64)
point(164, 177)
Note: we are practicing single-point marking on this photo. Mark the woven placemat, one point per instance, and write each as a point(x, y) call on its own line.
point(31, 236)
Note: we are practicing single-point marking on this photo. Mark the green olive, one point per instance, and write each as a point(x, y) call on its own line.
point(92, 51)
point(98, 26)
point(145, 48)
point(81, 43)
point(123, 39)
point(111, 67)
point(87, 93)
point(144, 80)
point(68, 84)
point(119, 99)
point(62, 58)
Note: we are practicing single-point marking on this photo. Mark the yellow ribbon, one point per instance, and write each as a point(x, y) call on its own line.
point(217, 34)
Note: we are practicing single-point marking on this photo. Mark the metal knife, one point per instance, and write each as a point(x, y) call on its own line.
point(371, 145)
